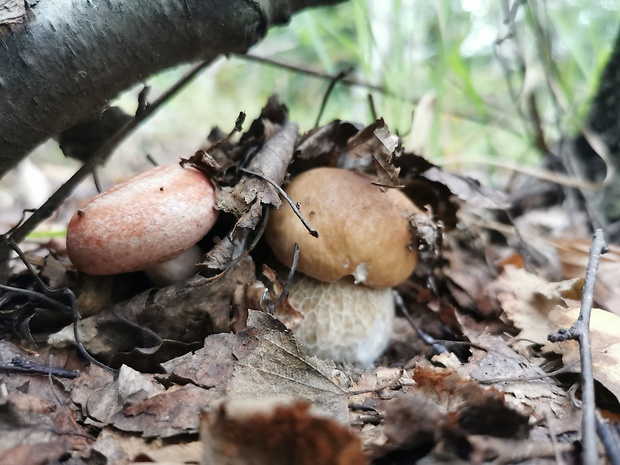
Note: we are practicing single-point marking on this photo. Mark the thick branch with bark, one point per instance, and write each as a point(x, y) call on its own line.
point(69, 59)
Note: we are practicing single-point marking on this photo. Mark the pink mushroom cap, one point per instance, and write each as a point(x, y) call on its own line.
point(144, 221)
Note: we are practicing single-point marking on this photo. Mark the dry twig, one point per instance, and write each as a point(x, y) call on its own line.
point(580, 331)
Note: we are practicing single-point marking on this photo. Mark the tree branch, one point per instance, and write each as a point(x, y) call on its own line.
point(581, 332)
point(70, 58)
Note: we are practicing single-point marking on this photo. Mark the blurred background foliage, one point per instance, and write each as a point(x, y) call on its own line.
point(470, 69)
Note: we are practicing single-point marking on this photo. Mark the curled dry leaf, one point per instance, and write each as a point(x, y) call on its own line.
point(574, 254)
point(376, 142)
point(324, 145)
point(604, 340)
point(468, 189)
point(528, 299)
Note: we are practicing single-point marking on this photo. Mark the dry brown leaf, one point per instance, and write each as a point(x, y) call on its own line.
point(271, 432)
point(41, 453)
point(35, 431)
point(279, 368)
point(541, 396)
point(116, 447)
point(475, 409)
point(134, 402)
point(174, 412)
point(247, 198)
point(147, 318)
point(101, 395)
point(376, 142)
point(502, 451)
point(468, 189)
point(527, 300)
point(604, 341)
point(261, 363)
point(322, 146)
point(574, 255)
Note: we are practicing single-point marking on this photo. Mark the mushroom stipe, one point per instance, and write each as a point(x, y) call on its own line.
point(365, 247)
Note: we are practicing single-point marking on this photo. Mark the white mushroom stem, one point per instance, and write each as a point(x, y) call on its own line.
point(342, 321)
point(177, 269)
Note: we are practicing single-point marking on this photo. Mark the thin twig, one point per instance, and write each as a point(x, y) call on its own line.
point(339, 77)
point(31, 368)
point(581, 331)
point(609, 440)
point(13, 245)
point(37, 295)
point(373, 109)
point(437, 347)
point(237, 129)
point(151, 160)
point(289, 279)
point(311, 72)
point(58, 294)
point(313, 232)
point(78, 340)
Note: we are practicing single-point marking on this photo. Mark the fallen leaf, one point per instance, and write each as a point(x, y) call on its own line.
point(261, 363)
point(376, 142)
point(174, 412)
point(279, 368)
point(477, 410)
point(115, 447)
point(272, 432)
point(151, 316)
point(604, 342)
point(40, 453)
point(528, 299)
point(574, 256)
point(541, 397)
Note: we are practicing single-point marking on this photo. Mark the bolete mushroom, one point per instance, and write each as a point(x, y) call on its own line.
point(365, 246)
point(150, 219)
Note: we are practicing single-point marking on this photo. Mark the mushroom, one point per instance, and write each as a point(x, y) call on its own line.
point(146, 221)
point(365, 246)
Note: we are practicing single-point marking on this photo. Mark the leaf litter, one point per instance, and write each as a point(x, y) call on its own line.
point(202, 372)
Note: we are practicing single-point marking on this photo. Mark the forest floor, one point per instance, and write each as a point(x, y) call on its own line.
point(204, 371)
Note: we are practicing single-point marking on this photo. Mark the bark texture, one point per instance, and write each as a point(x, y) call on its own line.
point(69, 58)
point(603, 120)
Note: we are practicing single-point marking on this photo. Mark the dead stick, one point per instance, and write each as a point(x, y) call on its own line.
point(581, 331)
point(313, 232)
point(609, 440)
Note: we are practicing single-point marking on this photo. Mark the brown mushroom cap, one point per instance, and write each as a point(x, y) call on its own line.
point(363, 231)
point(147, 220)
